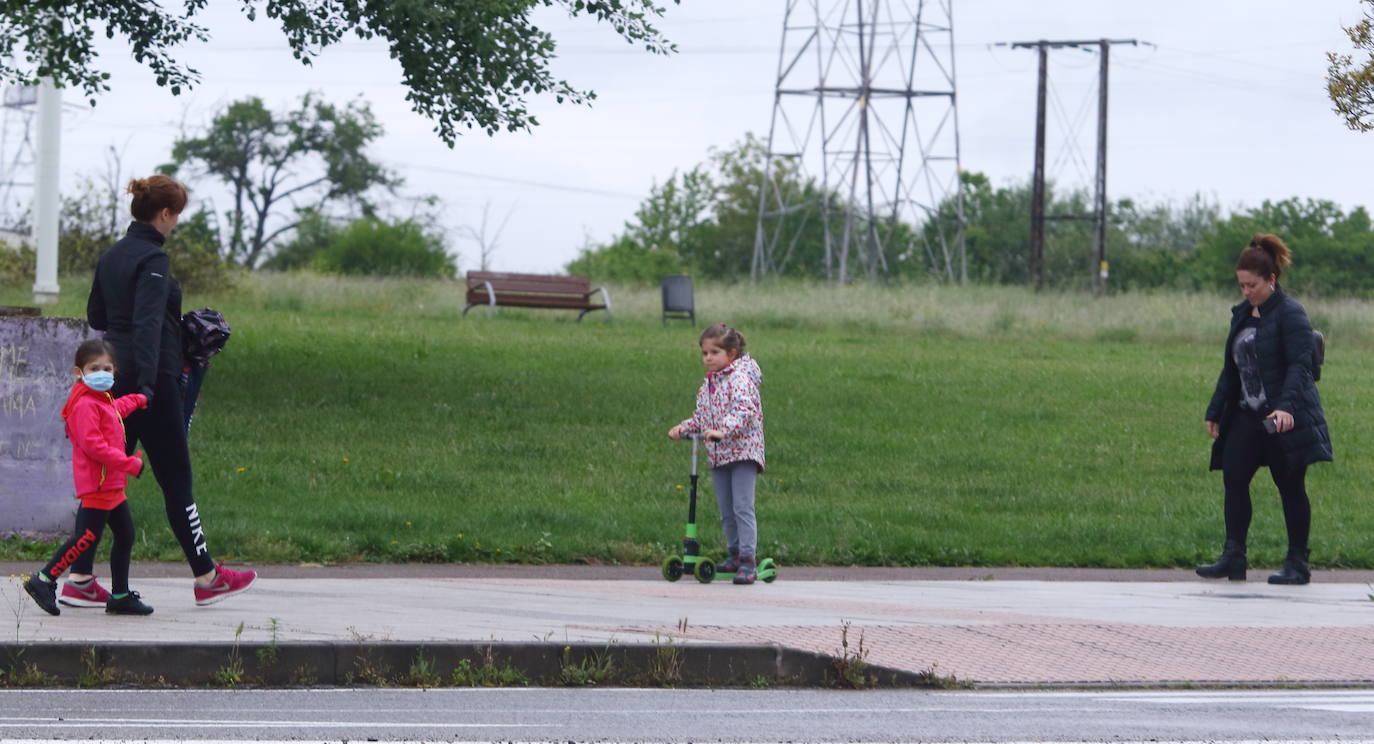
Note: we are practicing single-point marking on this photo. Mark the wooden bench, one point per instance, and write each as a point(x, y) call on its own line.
point(493, 288)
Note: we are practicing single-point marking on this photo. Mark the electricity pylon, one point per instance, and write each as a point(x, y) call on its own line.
point(864, 140)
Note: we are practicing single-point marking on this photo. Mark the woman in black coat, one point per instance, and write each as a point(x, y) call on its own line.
point(1266, 410)
point(137, 303)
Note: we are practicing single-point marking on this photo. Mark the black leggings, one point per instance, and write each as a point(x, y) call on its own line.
point(161, 428)
point(1248, 447)
point(90, 523)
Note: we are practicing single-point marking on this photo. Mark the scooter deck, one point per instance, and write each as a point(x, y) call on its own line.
point(686, 566)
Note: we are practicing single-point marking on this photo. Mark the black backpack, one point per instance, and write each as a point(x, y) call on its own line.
point(204, 333)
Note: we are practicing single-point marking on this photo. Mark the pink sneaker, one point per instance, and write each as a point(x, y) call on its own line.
point(90, 595)
point(227, 583)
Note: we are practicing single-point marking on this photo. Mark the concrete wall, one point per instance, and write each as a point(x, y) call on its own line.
point(36, 497)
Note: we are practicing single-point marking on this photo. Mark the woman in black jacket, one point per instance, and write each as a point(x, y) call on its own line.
point(135, 300)
point(1266, 410)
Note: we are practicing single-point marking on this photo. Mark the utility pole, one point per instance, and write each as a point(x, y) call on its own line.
point(45, 198)
point(1037, 238)
point(1100, 179)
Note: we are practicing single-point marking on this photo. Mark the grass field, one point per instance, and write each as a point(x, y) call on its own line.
point(364, 420)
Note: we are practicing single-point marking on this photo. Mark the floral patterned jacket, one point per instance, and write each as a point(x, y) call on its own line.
point(729, 401)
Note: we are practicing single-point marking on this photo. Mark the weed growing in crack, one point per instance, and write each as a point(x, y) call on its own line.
point(18, 607)
point(851, 664)
point(421, 672)
point(665, 666)
point(487, 674)
point(592, 669)
point(94, 673)
point(231, 674)
point(932, 678)
point(267, 656)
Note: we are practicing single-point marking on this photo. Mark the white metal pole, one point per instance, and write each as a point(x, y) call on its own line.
point(45, 198)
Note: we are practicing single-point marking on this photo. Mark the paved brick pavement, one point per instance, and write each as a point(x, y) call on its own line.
point(1057, 653)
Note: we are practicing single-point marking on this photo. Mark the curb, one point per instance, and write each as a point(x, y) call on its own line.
point(438, 664)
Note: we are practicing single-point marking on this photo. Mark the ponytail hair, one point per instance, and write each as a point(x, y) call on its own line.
point(724, 336)
point(154, 194)
point(1266, 256)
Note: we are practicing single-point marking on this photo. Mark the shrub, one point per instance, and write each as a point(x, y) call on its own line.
point(372, 247)
point(312, 236)
point(625, 260)
point(16, 263)
point(90, 222)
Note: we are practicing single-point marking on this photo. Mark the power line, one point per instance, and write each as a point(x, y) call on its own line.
point(523, 181)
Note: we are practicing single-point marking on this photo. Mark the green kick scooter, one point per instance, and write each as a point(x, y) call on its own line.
point(692, 562)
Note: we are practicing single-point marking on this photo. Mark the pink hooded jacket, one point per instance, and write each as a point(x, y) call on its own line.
point(95, 426)
point(729, 401)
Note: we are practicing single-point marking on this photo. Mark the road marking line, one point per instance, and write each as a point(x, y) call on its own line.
point(725, 741)
point(48, 722)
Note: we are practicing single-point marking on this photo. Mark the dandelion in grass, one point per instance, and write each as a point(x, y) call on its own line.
point(407, 524)
point(345, 459)
point(239, 470)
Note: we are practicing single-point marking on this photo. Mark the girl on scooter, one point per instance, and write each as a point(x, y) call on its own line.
point(729, 416)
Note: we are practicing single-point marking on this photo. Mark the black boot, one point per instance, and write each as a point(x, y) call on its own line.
point(1231, 564)
point(1295, 570)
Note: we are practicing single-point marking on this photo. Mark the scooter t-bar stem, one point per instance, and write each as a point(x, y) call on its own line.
point(692, 502)
point(696, 440)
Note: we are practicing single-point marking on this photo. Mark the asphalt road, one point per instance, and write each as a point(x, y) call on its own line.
point(685, 715)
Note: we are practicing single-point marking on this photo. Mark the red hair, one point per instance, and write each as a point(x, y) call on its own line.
point(1266, 256)
point(154, 194)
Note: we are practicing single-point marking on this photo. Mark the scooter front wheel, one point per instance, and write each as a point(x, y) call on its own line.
point(672, 568)
point(705, 571)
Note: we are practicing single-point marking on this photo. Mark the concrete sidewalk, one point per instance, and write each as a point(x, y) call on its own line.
point(1021, 632)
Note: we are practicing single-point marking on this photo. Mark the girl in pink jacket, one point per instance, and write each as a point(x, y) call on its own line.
point(729, 416)
point(100, 470)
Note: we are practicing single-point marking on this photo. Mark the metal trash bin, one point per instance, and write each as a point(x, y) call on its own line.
point(677, 298)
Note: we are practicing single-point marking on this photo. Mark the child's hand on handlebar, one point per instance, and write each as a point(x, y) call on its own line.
point(713, 435)
point(675, 432)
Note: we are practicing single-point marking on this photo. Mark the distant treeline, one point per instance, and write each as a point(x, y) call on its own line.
point(703, 222)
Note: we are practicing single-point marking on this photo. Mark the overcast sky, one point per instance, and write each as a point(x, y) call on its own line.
point(1230, 102)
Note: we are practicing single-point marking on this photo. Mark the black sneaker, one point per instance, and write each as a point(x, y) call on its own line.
point(44, 593)
point(748, 570)
point(129, 604)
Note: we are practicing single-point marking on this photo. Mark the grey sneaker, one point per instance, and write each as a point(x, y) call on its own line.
point(748, 570)
point(729, 565)
point(44, 593)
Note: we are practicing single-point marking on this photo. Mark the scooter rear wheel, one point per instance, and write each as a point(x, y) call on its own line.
point(768, 570)
point(672, 568)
